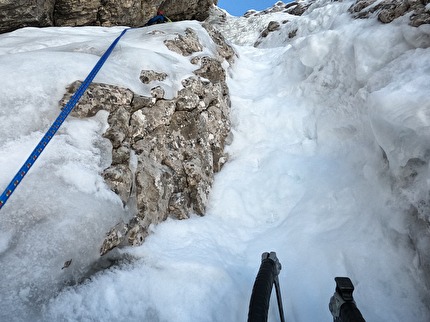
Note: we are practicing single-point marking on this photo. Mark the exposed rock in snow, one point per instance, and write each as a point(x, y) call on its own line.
point(388, 10)
point(186, 44)
point(223, 48)
point(296, 8)
point(178, 142)
point(292, 8)
point(147, 76)
point(329, 167)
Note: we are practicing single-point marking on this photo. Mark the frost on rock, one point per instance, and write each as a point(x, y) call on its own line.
point(179, 142)
point(389, 10)
point(292, 8)
point(296, 8)
point(185, 45)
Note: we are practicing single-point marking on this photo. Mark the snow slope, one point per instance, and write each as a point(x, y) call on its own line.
point(306, 177)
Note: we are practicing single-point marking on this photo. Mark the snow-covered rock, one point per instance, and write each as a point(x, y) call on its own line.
point(165, 152)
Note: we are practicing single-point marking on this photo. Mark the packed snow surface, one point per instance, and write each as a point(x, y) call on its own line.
point(306, 176)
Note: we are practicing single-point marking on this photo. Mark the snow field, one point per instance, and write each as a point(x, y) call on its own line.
point(306, 177)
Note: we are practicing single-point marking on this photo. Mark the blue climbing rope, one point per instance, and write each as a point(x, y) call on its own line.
point(57, 123)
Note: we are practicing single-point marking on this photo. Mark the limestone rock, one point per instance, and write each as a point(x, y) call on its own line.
point(98, 97)
point(224, 50)
point(25, 13)
point(121, 12)
point(296, 8)
point(133, 13)
point(119, 177)
point(421, 14)
point(178, 143)
point(157, 92)
point(293, 8)
point(114, 237)
point(389, 10)
point(210, 69)
point(185, 45)
point(76, 13)
point(187, 10)
point(148, 76)
point(118, 129)
point(273, 25)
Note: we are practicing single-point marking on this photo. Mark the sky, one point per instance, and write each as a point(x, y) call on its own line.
point(239, 7)
point(306, 176)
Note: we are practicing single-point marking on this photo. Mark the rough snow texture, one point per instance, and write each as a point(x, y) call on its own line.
point(164, 151)
point(386, 11)
point(17, 14)
point(307, 176)
point(398, 113)
point(292, 8)
point(400, 127)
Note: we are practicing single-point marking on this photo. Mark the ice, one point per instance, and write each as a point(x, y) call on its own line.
point(399, 110)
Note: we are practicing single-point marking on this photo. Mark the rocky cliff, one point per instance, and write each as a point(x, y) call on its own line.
point(133, 13)
point(164, 151)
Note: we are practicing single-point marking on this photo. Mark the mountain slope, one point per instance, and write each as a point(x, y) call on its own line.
point(323, 124)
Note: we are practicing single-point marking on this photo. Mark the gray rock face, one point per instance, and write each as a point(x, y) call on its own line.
point(76, 13)
point(224, 50)
point(186, 44)
point(25, 13)
point(187, 10)
point(164, 151)
point(133, 13)
point(388, 10)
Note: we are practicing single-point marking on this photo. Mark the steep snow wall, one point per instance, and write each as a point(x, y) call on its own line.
point(373, 74)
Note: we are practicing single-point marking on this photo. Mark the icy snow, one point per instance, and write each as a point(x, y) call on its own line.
point(306, 177)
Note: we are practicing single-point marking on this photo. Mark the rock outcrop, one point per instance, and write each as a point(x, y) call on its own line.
point(388, 10)
point(133, 13)
point(292, 8)
point(187, 10)
point(164, 151)
point(24, 13)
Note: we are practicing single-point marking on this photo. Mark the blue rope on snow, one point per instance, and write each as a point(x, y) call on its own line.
point(57, 123)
